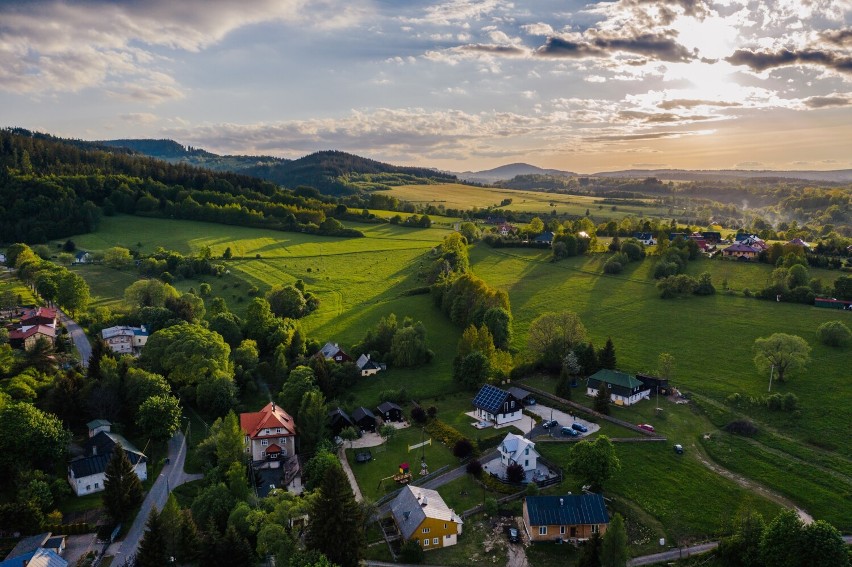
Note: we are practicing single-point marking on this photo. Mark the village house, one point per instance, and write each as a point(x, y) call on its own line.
point(364, 419)
point(86, 474)
point(740, 251)
point(26, 337)
point(125, 340)
point(332, 351)
point(269, 434)
point(389, 411)
point(25, 551)
point(422, 516)
point(40, 316)
point(338, 421)
point(646, 238)
point(497, 406)
point(712, 236)
point(369, 367)
point(624, 389)
point(572, 517)
point(40, 557)
point(504, 229)
point(545, 237)
point(516, 449)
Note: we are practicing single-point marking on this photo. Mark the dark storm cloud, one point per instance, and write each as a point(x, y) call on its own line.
point(762, 60)
point(838, 37)
point(660, 46)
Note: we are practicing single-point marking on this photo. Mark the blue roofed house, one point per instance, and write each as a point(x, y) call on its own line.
point(545, 237)
point(572, 517)
point(646, 238)
point(33, 551)
point(497, 406)
point(39, 558)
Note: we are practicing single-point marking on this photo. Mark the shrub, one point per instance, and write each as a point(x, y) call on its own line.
point(613, 267)
point(834, 333)
point(491, 506)
point(734, 399)
point(741, 427)
point(515, 473)
point(444, 433)
point(791, 401)
point(432, 412)
point(411, 552)
point(474, 468)
point(463, 448)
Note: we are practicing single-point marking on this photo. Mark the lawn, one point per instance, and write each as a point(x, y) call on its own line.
point(21, 292)
point(465, 493)
point(386, 461)
point(458, 196)
point(719, 328)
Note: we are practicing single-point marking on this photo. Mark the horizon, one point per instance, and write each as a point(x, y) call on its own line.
point(460, 85)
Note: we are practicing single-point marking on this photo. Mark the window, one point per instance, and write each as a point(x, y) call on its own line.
point(542, 530)
point(277, 430)
point(425, 542)
point(246, 438)
point(434, 541)
point(445, 526)
point(88, 487)
point(448, 536)
point(97, 485)
point(527, 451)
point(426, 530)
point(248, 450)
point(526, 462)
point(595, 528)
point(266, 432)
point(264, 442)
point(562, 530)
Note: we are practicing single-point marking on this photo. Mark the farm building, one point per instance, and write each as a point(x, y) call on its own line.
point(832, 303)
point(332, 351)
point(574, 517)
point(515, 449)
point(423, 516)
point(654, 383)
point(26, 337)
point(389, 411)
point(497, 406)
point(339, 420)
point(625, 390)
point(364, 419)
point(86, 474)
point(39, 316)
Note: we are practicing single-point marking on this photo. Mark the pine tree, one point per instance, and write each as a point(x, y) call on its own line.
point(171, 520)
point(233, 549)
point(153, 551)
point(189, 539)
point(614, 544)
point(601, 403)
point(606, 356)
point(336, 527)
point(122, 488)
point(591, 551)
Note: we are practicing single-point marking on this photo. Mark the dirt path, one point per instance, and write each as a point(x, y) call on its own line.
point(349, 474)
point(754, 487)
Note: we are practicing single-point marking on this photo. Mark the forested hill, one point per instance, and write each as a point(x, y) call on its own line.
point(52, 188)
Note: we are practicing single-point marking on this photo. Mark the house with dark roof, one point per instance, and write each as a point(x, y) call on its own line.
point(656, 384)
point(389, 411)
point(97, 425)
point(572, 517)
point(364, 419)
point(338, 421)
point(46, 540)
point(269, 434)
point(740, 251)
point(496, 405)
point(86, 474)
point(799, 242)
point(332, 351)
point(712, 236)
point(521, 394)
point(646, 238)
point(367, 366)
point(82, 257)
point(624, 389)
point(422, 516)
point(545, 237)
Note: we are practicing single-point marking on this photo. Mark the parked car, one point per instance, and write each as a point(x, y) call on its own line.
point(570, 432)
point(550, 423)
point(678, 449)
point(646, 427)
point(580, 427)
point(513, 535)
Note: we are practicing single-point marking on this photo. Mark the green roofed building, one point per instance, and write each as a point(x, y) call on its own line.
point(624, 389)
point(572, 517)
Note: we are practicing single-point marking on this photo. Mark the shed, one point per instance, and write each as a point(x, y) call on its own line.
point(364, 419)
point(389, 411)
point(339, 420)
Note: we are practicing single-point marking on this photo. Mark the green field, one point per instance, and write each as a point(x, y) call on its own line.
point(458, 196)
point(18, 289)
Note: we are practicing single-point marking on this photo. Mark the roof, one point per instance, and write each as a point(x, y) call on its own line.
point(29, 544)
point(643, 235)
point(54, 542)
point(567, 510)
point(123, 331)
point(362, 412)
point(362, 360)
point(38, 558)
point(514, 445)
point(799, 242)
point(385, 407)
point(616, 378)
point(95, 423)
point(273, 448)
point(739, 247)
point(519, 393)
point(32, 330)
point(490, 398)
point(545, 236)
point(100, 446)
point(414, 504)
point(339, 413)
point(330, 349)
point(270, 417)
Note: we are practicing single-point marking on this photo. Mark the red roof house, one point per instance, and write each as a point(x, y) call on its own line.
point(269, 433)
point(26, 336)
point(39, 316)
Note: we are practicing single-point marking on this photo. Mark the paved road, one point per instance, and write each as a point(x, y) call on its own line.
point(81, 341)
point(171, 476)
point(672, 555)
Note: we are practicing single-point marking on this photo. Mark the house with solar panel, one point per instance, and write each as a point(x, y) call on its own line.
point(572, 517)
point(497, 406)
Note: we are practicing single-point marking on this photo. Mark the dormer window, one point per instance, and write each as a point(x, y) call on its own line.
point(266, 432)
point(277, 430)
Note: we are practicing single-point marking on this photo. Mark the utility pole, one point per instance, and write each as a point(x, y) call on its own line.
point(771, 373)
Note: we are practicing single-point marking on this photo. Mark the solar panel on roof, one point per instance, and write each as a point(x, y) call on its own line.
point(490, 398)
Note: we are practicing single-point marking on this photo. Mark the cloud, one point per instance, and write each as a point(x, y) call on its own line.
point(828, 101)
point(634, 137)
point(692, 103)
point(749, 165)
point(660, 45)
point(661, 117)
point(505, 50)
point(649, 164)
point(140, 118)
point(455, 11)
point(838, 37)
point(763, 60)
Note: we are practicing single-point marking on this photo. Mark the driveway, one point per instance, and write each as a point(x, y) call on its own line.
point(560, 416)
point(76, 546)
point(81, 341)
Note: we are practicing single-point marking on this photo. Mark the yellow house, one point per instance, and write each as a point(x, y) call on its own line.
point(423, 516)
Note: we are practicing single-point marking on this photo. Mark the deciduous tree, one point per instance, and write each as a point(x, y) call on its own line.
point(552, 335)
point(786, 353)
point(159, 417)
point(614, 544)
point(594, 461)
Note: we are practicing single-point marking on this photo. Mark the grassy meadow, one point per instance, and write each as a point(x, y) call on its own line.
point(458, 196)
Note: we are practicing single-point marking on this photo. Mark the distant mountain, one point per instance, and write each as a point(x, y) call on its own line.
point(173, 152)
point(506, 172)
point(835, 176)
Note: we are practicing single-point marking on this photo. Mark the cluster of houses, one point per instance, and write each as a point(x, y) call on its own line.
point(368, 367)
point(363, 419)
point(34, 324)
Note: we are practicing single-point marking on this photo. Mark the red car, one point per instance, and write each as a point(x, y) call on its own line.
point(646, 427)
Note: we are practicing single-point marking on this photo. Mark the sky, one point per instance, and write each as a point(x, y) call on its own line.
point(460, 85)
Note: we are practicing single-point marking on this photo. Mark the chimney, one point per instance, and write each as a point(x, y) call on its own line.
point(561, 501)
point(423, 502)
point(273, 406)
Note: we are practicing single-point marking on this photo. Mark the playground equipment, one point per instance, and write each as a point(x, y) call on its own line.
point(402, 477)
point(418, 445)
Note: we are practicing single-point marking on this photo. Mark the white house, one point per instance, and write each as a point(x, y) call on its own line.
point(86, 474)
point(624, 389)
point(516, 449)
point(497, 406)
point(270, 434)
point(125, 340)
point(368, 367)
